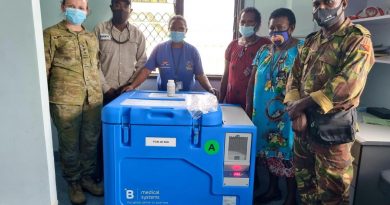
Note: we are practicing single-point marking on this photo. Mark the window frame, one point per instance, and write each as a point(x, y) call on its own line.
point(238, 6)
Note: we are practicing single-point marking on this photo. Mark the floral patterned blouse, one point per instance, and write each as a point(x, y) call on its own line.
point(274, 131)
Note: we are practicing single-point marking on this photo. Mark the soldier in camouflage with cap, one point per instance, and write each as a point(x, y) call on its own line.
point(327, 79)
point(75, 96)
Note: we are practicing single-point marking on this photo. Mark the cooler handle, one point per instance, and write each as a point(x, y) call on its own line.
point(126, 135)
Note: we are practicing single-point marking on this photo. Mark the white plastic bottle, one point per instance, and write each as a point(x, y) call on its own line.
point(171, 88)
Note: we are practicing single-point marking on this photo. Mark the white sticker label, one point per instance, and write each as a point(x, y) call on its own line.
point(229, 200)
point(160, 142)
point(104, 36)
point(179, 85)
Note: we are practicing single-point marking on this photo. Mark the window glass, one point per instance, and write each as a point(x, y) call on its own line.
point(210, 30)
point(210, 27)
point(152, 17)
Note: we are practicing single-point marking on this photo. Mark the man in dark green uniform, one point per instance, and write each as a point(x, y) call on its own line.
point(327, 80)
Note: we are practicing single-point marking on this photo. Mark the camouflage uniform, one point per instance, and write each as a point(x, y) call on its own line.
point(75, 96)
point(333, 71)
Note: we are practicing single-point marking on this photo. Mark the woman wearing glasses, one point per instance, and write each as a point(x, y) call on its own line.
point(272, 66)
point(239, 56)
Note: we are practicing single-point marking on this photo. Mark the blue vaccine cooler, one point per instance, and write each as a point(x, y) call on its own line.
point(157, 152)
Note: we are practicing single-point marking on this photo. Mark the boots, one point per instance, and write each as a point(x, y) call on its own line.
point(256, 185)
point(76, 194)
point(272, 194)
point(88, 184)
point(291, 191)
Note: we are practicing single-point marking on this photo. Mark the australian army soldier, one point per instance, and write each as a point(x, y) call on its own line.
point(75, 96)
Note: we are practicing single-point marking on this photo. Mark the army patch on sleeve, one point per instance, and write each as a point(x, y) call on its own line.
point(364, 48)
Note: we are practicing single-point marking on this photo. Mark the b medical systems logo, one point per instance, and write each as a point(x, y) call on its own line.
point(151, 196)
point(129, 194)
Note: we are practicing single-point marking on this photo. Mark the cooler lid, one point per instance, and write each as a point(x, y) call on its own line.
point(155, 108)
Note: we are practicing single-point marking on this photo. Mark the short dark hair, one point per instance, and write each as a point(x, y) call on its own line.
point(177, 17)
point(283, 12)
point(256, 13)
point(127, 1)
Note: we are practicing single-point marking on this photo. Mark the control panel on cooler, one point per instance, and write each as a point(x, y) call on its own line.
point(237, 159)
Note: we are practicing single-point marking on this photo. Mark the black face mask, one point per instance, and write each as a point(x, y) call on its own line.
point(119, 16)
point(326, 17)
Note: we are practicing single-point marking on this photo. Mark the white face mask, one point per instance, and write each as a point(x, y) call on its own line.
point(247, 31)
point(75, 16)
point(177, 36)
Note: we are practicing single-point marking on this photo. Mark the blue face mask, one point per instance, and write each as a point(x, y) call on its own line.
point(75, 16)
point(279, 37)
point(247, 31)
point(177, 36)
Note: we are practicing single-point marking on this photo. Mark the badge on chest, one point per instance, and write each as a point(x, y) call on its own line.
point(189, 66)
point(104, 37)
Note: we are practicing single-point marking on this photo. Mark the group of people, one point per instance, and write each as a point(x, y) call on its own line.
point(87, 70)
point(301, 95)
point(291, 89)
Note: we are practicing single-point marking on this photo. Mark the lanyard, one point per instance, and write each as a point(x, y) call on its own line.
point(176, 62)
point(274, 63)
point(118, 41)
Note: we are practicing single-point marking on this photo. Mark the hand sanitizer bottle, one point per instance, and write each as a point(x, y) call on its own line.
point(171, 88)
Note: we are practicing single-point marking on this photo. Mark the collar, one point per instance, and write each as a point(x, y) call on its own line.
point(170, 43)
point(110, 24)
point(342, 30)
point(62, 25)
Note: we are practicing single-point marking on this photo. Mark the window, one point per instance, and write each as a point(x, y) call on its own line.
point(210, 26)
point(152, 17)
point(210, 30)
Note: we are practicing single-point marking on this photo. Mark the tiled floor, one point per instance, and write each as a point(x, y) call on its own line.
point(63, 198)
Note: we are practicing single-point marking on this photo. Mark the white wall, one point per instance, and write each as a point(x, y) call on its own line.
point(26, 155)
point(249, 3)
point(301, 9)
point(303, 14)
point(376, 92)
